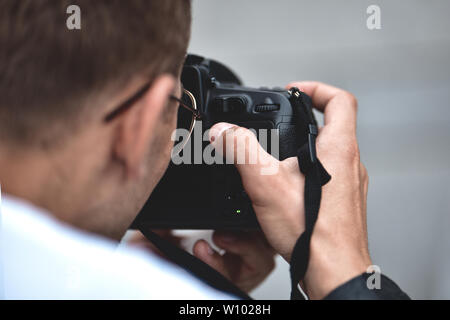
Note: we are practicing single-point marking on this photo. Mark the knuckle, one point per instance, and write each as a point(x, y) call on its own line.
point(349, 148)
point(349, 97)
point(352, 151)
point(341, 153)
point(364, 175)
point(345, 149)
point(347, 100)
point(363, 170)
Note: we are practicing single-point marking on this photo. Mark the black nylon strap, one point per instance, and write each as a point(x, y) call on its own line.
point(315, 177)
point(193, 265)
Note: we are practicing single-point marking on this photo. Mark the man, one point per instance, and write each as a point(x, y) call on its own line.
point(72, 182)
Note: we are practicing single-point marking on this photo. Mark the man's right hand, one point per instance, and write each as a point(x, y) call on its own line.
point(339, 249)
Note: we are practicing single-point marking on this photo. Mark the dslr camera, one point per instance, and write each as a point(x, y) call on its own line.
point(197, 194)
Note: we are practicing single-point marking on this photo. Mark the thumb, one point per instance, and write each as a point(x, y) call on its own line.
point(240, 146)
point(207, 254)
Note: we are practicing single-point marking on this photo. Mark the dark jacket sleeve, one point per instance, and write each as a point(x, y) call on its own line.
point(357, 289)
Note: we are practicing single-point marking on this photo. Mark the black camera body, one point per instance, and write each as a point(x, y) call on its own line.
point(211, 196)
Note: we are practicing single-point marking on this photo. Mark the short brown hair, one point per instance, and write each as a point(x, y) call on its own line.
point(48, 72)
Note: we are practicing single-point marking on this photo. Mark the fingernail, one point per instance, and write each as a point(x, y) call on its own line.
point(217, 129)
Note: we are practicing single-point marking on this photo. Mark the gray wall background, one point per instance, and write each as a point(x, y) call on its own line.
point(401, 76)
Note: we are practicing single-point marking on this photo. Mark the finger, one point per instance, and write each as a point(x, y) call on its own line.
point(320, 93)
point(240, 146)
point(251, 249)
point(339, 106)
point(207, 254)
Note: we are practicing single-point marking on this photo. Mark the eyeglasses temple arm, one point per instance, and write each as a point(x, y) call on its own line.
point(195, 112)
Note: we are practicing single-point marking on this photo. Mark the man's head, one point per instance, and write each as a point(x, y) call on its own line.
point(57, 85)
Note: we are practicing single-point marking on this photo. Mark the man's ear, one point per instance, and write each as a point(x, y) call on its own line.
point(137, 125)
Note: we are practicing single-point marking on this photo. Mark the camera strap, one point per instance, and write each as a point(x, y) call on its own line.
point(193, 265)
point(315, 177)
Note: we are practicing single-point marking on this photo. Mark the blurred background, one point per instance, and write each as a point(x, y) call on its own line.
point(401, 77)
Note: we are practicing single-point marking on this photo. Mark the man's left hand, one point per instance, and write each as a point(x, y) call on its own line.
point(248, 257)
point(246, 261)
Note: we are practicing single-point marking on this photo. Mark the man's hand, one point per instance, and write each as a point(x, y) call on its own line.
point(246, 261)
point(339, 249)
